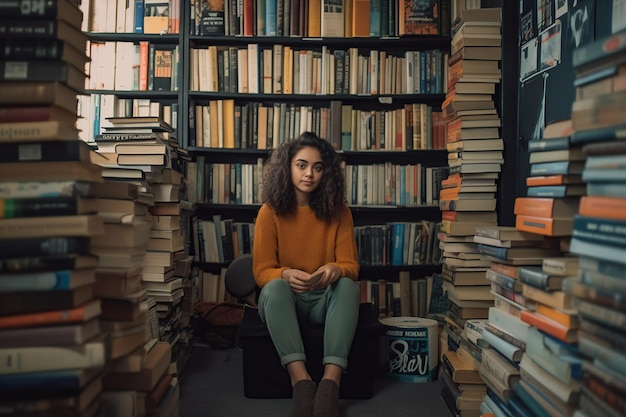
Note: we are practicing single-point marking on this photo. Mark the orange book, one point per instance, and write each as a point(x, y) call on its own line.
point(546, 207)
point(547, 325)
point(553, 180)
point(361, 18)
point(78, 314)
point(143, 65)
point(315, 22)
point(511, 271)
point(562, 317)
point(605, 207)
point(547, 226)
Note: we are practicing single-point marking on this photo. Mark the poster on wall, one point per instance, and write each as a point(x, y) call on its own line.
point(581, 19)
point(551, 46)
point(561, 8)
point(545, 14)
point(528, 59)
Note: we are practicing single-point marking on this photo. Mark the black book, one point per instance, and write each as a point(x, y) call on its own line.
point(43, 29)
point(43, 71)
point(57, 9)
point(25, 302)
point(47, 250)
point(76, 150)
point(47, 206)
point(34, 49)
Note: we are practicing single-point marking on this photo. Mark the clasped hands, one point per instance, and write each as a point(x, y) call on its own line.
point(302, 282)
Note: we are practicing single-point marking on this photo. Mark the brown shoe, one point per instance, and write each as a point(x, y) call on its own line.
point(303, 395)
point(326, 403)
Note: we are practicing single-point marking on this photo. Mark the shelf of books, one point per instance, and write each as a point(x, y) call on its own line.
point(367, 79)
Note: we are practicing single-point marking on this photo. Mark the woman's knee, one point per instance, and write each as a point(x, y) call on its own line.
point(346, 288)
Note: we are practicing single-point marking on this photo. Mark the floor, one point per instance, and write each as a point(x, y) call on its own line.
point(212, 386)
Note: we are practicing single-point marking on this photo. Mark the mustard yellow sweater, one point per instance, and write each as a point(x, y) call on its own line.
point(302, 242)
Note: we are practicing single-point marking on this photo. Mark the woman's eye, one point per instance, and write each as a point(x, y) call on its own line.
point(319, 168)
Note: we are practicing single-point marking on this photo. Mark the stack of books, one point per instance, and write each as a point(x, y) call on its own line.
point(51, 348)
point(598, 289)
point(554, 183)
point(467, 196)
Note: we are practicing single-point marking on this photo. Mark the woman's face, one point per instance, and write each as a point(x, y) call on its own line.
point(307, 169)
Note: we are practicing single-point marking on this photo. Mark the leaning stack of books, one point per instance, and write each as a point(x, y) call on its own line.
point(598, 237)
point(52, 351)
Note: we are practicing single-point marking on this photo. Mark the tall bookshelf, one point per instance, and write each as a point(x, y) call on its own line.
point(393, 102)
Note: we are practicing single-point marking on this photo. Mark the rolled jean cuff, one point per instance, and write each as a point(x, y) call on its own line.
point(292, 357)
point(334, 360)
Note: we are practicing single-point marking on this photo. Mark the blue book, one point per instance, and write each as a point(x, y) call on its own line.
point(599, 135)
point(604, 175)
point(617, 190)
point(606, 162)
point(403, 191)
point(46, 280)
point(567, 190)
point(553, 144)
point(397, 257)
point(528, 400)
point(604, 252)
point(139, 13)
point(270, 17)
point(556, 168)
point(601, 230)
point(376, 17)
point(46, 383)
point(519, 408)
point(501, 405)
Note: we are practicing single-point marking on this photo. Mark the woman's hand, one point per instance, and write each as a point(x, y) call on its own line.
point(299, 280)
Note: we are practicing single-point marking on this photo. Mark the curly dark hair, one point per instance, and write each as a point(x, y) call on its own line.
point(278, 190)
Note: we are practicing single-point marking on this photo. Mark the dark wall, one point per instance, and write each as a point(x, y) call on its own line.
point(549, 31)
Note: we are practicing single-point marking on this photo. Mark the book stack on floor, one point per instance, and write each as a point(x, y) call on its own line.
point(554, 183)
point(473, 125)
point(473, 135)
point(467, 196)
point(597, 292)
point(550, 362)
point(52, 351)
point(502, 333)
point(463, 388)
point(133, 314)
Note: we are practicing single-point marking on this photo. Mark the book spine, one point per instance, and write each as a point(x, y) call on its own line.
point(508, 338)
point(51, 358)
point(503, 280)
point(495, 363)
point(602, 207)
point(534, 277)
point(506, 349)
point(29, 207)
point(37, 189)
point(602, 48)
point(548, 144)
point(494, 251)
point(36, 281)
point(555, 329)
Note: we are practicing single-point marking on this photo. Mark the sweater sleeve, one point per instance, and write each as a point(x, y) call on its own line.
point(346, 254)
point(265, 248)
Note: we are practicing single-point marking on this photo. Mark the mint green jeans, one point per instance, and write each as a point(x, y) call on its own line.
point(337, 306)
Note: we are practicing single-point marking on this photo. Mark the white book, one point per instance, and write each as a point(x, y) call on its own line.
point(52, 358)
point(126, 54)
point(253, 68)
point(332, 18)
point(509, 323)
